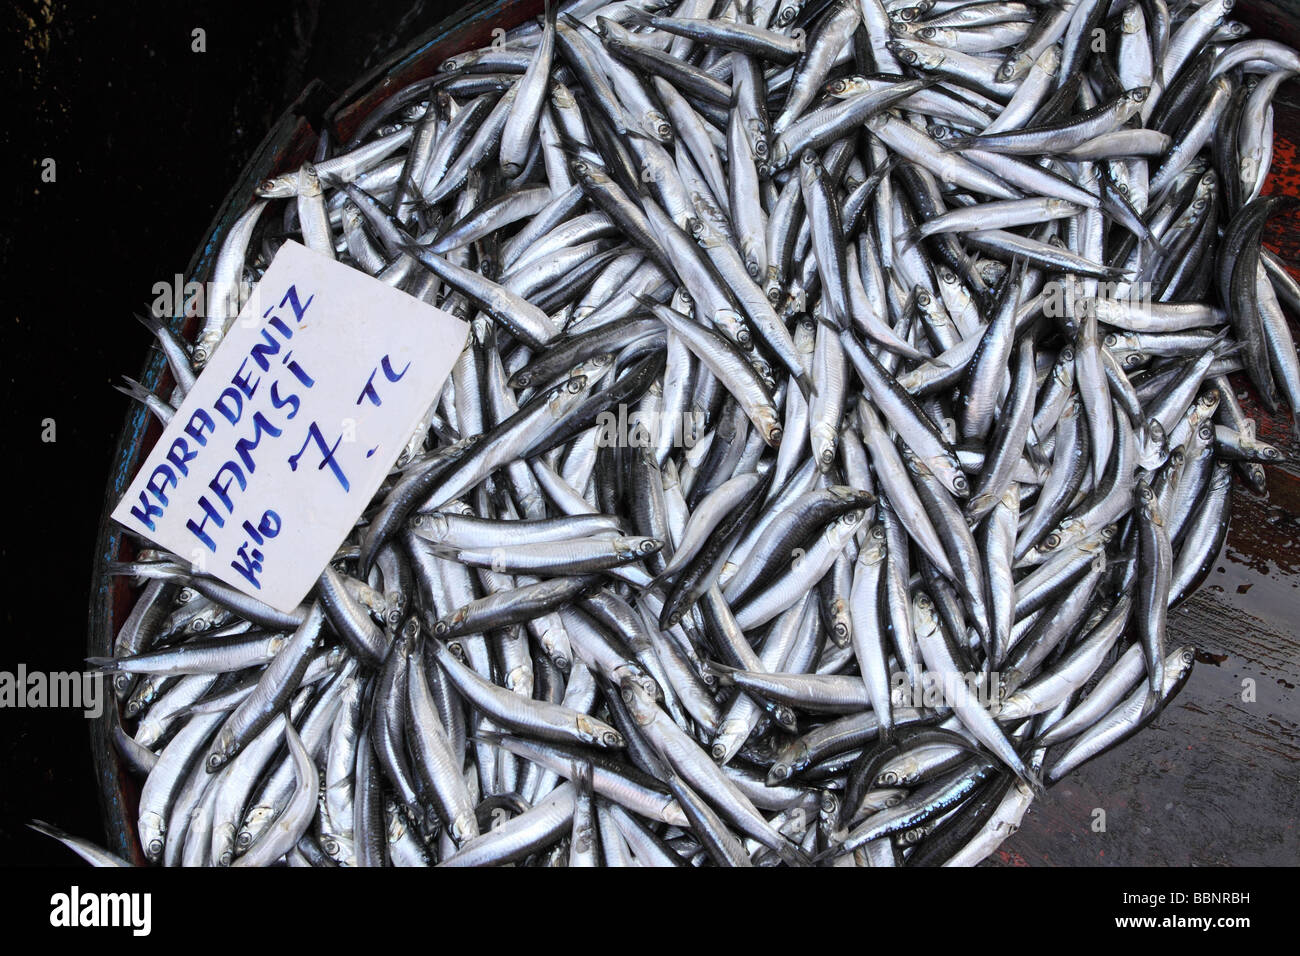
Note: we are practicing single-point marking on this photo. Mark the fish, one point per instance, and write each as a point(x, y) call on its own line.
point(916, 322)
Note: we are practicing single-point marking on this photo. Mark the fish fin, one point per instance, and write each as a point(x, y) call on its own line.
point(67, 839)
point(830, 853)
point(151, 322)
point(134, 390)
point(791, 854)
point(648, 303)
point(1034, 782)
point(103, 663)
point(909, 238)
point(722, 672)
point(637, 16)
point(1150, 706)
point(47, 829)
point(577, 24)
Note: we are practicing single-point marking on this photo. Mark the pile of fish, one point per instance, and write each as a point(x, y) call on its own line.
point(847, 394)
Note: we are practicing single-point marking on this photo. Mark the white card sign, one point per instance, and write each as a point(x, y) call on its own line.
point(292, 426)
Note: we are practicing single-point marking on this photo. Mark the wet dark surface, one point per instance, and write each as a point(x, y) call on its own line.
point(149, 136)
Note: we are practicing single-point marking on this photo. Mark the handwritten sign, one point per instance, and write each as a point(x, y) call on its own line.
point(291, 428)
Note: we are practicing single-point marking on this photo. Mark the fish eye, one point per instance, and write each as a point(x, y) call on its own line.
point(1052, 541)
point(154, 848)
point(960, 483)
point(611, 738)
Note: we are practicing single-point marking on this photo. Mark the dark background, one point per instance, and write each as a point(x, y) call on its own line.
point(147, 137)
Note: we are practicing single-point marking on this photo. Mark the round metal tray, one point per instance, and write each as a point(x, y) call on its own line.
point(1264, 530)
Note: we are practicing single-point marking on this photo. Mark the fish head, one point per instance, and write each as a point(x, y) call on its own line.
point(1130, 101)
point(876, 546)
point(847, 86)
point(599, 734)
point(768, 426)
point(1145, 499)
point(640, 703)
point(1013, 68)
point(152, 829)
point(431, 526)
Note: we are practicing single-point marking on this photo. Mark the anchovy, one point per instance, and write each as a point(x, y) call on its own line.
point(848, 390)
